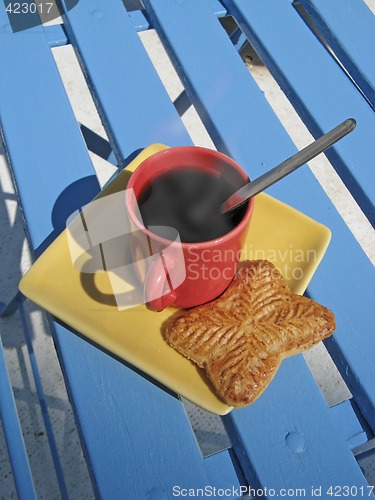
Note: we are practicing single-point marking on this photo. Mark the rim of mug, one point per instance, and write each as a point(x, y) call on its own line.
point(200, 244)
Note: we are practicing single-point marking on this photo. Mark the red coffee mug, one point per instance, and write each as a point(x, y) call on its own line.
point(183, 274)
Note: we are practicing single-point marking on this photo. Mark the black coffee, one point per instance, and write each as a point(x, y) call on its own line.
point(189, 201)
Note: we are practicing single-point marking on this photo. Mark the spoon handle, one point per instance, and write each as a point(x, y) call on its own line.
point(286, 167)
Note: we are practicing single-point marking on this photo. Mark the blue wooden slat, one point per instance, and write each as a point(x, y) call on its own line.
point(56, 35)
point(139, 20)
point(349, 424)
point(242, 123)
point(238, 39)
point(137, 436)
point(316, 86)
point(349, 28)
point(116, 66)
point(47, 166)
point(141, 23)
point(43, 405)
point(218, 8)
point(280, 451)
point(222, 471)
point(13, 435)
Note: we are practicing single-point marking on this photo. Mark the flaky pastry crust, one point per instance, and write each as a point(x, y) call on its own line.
point(240, 338)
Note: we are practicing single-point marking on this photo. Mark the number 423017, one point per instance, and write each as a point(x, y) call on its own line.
point(29, 8)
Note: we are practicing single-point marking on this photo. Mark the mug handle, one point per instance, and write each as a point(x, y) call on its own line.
point(155, 285)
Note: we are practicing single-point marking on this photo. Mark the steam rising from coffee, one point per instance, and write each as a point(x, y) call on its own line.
point(189, 200)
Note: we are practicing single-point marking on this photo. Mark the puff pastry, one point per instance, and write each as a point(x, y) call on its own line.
point(240, 338)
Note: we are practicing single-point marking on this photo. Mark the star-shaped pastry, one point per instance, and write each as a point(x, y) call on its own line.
point(241, 337)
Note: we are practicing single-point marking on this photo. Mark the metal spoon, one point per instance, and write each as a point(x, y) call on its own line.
point(286, 167)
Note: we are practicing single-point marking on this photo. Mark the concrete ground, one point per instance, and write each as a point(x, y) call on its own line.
point(15, 260)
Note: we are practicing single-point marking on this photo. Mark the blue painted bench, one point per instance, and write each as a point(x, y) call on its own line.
point(136, 435)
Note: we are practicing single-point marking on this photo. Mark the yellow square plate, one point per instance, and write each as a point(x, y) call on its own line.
point(292, 241)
